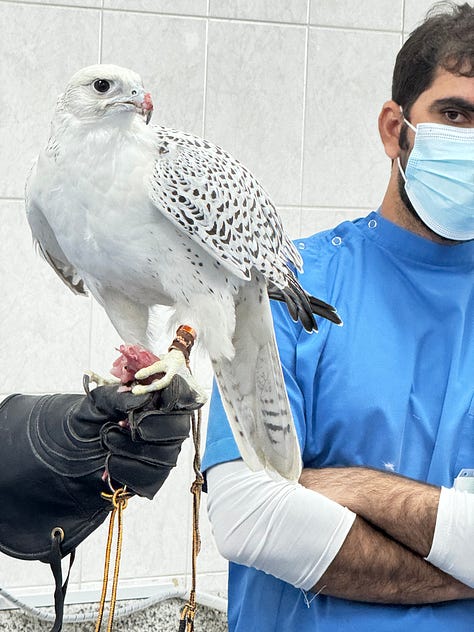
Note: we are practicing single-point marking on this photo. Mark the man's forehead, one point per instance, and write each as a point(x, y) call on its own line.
point(445, 86)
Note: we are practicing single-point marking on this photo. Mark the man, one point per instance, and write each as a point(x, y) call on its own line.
point(379, 535)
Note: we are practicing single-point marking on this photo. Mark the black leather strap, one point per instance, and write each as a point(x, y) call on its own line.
point(60, 587)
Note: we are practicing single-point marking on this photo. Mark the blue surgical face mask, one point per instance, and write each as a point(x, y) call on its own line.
point(439, 178)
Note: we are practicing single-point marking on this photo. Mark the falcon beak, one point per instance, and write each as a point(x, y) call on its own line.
point(147, 107)
point(144, 108)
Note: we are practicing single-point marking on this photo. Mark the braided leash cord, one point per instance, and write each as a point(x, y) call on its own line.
point(189, 611)
point(119, 500)
point(184, 341)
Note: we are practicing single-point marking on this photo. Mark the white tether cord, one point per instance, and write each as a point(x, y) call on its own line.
point(204, 599)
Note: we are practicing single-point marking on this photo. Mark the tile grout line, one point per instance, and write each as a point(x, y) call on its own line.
point(101, 32)
point(303, 121)
point(206, 56)
point(278, 205)
point(324, 27)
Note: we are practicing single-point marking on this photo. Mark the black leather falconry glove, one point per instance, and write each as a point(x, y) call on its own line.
point(54, 450)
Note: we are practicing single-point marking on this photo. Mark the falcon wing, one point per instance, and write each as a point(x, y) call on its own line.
point(253, 390)
point(213, 198)
point(48, 246)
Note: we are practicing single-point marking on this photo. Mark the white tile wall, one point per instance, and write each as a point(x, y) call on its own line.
point(176, 7)
point(255, 99)
point(314, 220)
point(169, 53)
point(292, 87)
point(385, 15)
point(265, 10)
point(68, 3)
point(39, 49)
point(415, 11)
point(344, 162)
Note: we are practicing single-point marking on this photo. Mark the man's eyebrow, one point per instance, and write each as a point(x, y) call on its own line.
point(455, 102)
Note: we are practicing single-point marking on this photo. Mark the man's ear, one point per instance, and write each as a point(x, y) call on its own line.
point(390, 125)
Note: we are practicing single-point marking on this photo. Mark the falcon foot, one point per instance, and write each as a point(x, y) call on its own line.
point(171, 364)
point(175, 362)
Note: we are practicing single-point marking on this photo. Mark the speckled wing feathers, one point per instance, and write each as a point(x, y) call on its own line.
point(212, 197)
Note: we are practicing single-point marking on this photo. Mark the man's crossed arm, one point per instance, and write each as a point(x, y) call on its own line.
point(382, 557)
point(353, 533)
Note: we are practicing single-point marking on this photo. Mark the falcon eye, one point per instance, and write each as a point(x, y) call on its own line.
point(101, 85)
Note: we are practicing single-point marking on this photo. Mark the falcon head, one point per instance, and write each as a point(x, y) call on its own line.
point(105, 91)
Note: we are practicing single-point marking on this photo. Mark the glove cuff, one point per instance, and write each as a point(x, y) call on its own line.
point(150, 478)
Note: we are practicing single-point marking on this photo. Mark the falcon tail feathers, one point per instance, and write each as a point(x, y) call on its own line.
point(302, 306)
point(253, 390)
point(325, 310)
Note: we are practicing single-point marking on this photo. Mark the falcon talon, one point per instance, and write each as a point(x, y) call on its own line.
point(156, 367)
point(143, 389)
point(139, 389)
point(102, 381)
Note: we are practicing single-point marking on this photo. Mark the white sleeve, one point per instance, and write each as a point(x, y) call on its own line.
point(452, 549)
point(276, 526)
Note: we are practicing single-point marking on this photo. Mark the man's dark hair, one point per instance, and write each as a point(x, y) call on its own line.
point(444, 40)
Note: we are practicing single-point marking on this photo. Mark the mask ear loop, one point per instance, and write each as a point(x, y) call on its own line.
point(402, 173)
point(407, 122)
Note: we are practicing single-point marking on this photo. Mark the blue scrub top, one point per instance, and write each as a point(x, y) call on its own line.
point(391, 389)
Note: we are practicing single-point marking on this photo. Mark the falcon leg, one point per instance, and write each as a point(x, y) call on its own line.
point(129, 318)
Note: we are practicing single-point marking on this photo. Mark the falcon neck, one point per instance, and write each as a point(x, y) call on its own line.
point(108, 130)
